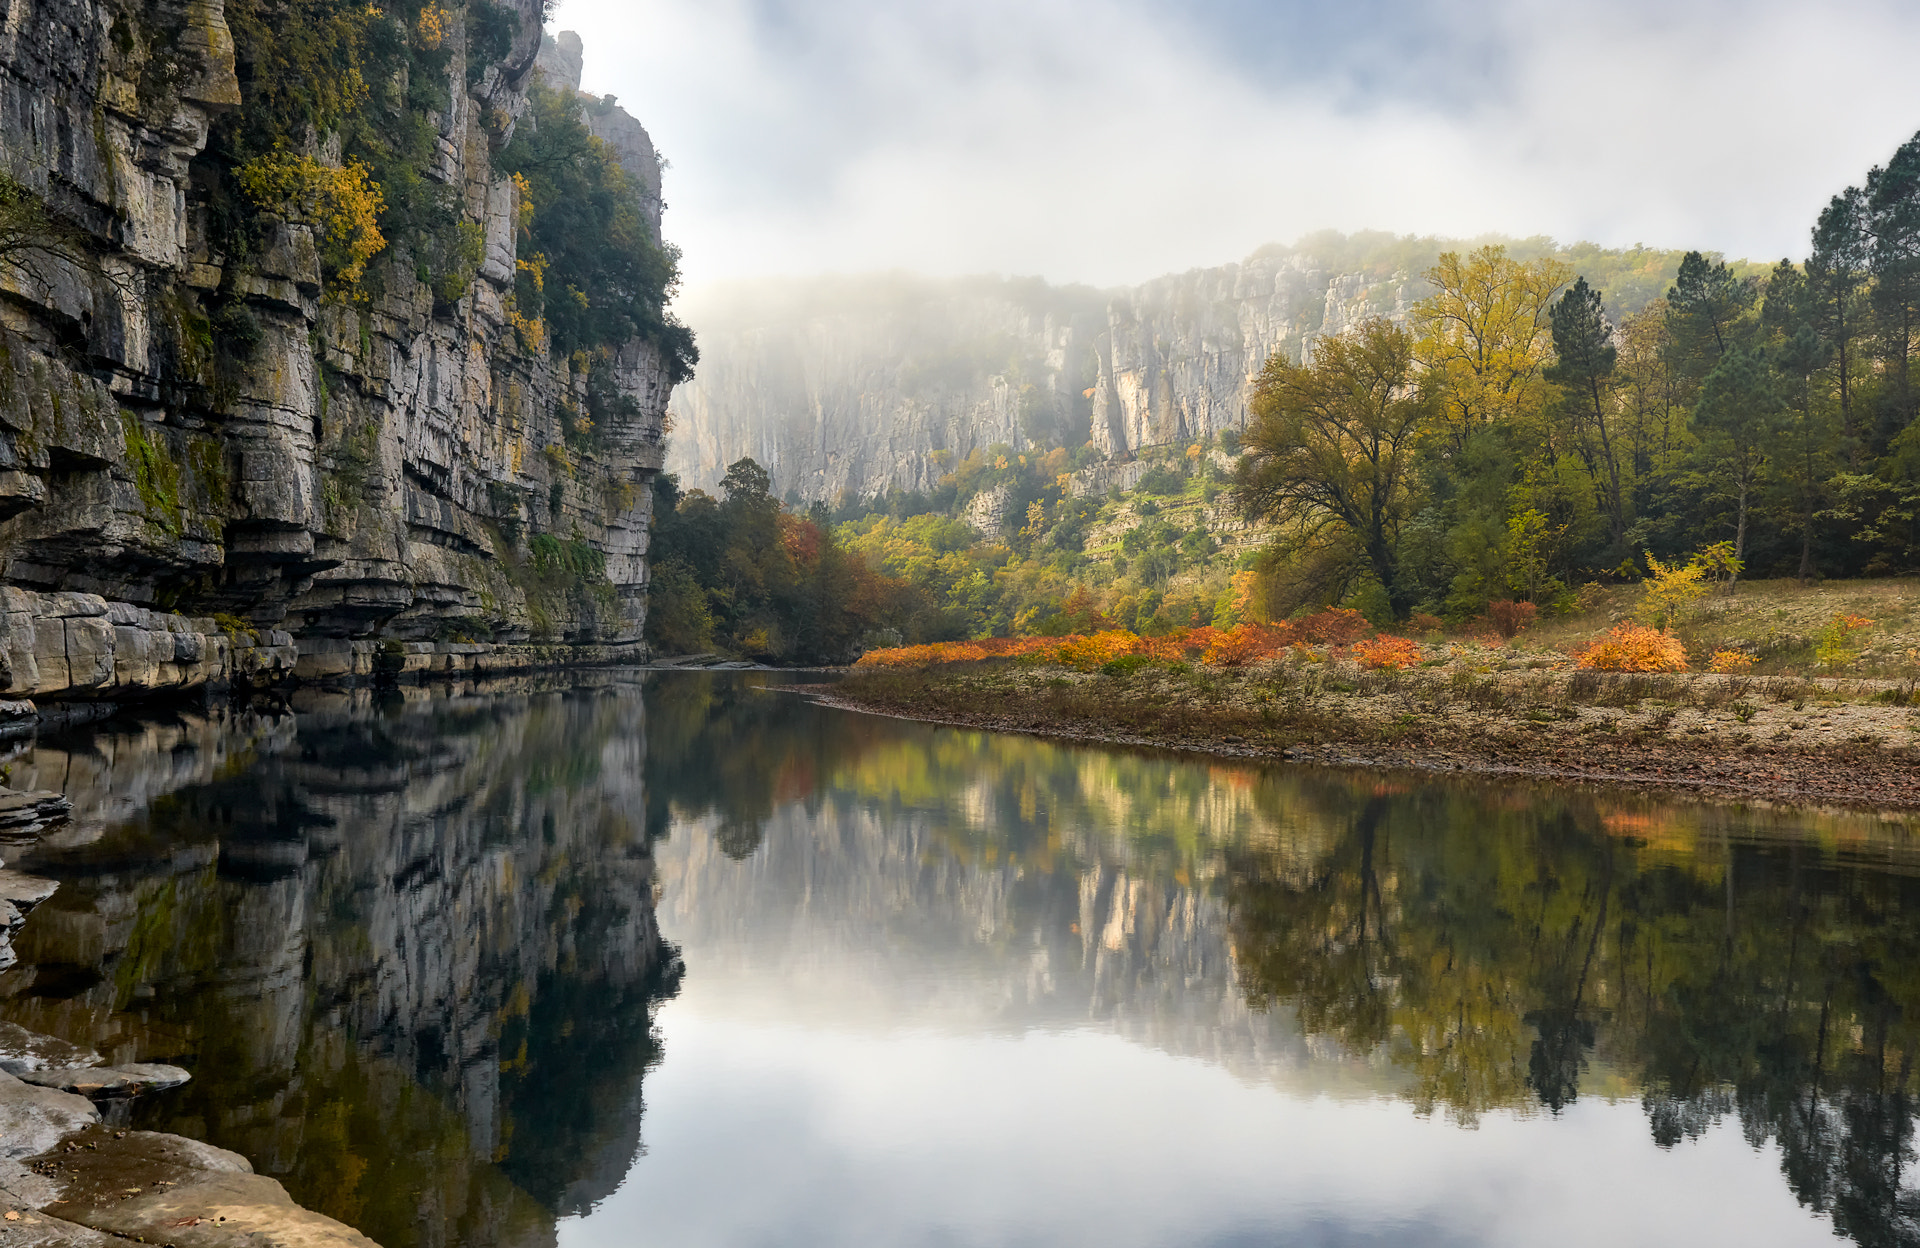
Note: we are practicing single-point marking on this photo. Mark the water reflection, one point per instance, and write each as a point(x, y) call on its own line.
point(1470, 950)
point(406, 946)
point(951, 987)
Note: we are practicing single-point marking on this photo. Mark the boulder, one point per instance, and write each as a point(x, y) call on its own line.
point(34, 1119)
point(25, 891)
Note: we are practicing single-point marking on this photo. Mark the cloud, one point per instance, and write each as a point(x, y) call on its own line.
point(1112, 140)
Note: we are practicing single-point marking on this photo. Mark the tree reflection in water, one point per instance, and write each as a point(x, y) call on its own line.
point(1501, 948)
point(409, 948)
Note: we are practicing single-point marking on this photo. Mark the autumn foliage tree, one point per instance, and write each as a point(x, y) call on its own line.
point(1483, 337)
point(1329, 452)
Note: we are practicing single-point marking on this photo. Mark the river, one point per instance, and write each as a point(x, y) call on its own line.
point(672, 959)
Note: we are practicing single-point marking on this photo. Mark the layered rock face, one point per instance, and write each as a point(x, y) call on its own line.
point(195, 433)
point(866, 386)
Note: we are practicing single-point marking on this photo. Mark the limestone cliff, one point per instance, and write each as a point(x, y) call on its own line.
point(195, 426)
point(865, 385)
point(846, 385)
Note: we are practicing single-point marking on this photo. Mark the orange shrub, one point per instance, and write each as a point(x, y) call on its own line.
point(1727, 662)
point(1510, 619)
point(1338, 626)
point(1634, 648)
point(1392, 653)
point(1089, 652)
point(1246, 643)
point(1422, 622)
point(1232, 647)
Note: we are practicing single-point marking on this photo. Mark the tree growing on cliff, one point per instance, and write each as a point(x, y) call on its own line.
point(605, 280)
point(1329, 451)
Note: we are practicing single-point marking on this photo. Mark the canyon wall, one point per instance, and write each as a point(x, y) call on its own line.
point(209, 433)
point(866, 385)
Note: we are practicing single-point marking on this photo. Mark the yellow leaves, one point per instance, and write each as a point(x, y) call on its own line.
point(344, 202)
point(434, 26)
point(524, 217)
point(1634, 648)
point(532, 329)
point(1671, 591)
point(1484, 335)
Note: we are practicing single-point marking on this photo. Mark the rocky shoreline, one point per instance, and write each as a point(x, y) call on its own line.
point(68, 1174)
point(70, 658)
point(1788, 742)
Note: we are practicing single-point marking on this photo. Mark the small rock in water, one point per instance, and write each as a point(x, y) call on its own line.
point(22, 1050)
point(103, 1083)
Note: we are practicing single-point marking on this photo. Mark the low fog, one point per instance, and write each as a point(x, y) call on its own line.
point(1106, 141)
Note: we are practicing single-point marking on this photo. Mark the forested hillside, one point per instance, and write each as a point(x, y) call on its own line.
point(1544, 419)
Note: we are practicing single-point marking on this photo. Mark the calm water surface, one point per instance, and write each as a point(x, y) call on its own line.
point(668, 960)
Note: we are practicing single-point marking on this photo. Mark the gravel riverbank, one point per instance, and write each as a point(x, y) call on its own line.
point(1774, 739)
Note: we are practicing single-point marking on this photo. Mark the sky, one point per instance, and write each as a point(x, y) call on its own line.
point(1110, 141)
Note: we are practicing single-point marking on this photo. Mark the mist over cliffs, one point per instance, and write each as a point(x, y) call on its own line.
point(848, 385)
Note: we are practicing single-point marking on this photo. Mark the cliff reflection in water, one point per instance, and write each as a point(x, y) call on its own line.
point(1469, 948)
point(407, 947)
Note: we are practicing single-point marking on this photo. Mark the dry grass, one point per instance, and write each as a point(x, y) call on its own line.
point(1777, 622)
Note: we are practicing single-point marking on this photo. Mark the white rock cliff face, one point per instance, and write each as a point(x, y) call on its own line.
point(868, 386)
point(367, 470)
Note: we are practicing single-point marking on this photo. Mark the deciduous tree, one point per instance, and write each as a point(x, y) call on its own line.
point(1484, 337)
point(1331, 444)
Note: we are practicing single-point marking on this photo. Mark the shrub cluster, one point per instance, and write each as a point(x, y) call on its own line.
point(1214, 647)
point(1634, 648)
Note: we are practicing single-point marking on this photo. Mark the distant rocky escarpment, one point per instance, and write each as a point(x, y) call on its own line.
point(271, 359)
point(863, 385)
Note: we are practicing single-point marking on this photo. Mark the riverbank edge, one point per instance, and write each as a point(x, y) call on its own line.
point(1858, 778)
point(70, 658)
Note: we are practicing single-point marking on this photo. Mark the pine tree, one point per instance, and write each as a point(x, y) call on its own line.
point(1704, 307)
point(1583, 340)
point(1893, 222)
point(1738, 416)
point(1836, 281)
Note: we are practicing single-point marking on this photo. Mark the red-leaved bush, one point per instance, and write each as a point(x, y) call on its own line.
point(1510, 619)
point(1391, 653)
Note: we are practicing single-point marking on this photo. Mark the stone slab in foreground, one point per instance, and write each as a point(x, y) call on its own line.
point(165, 1189)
